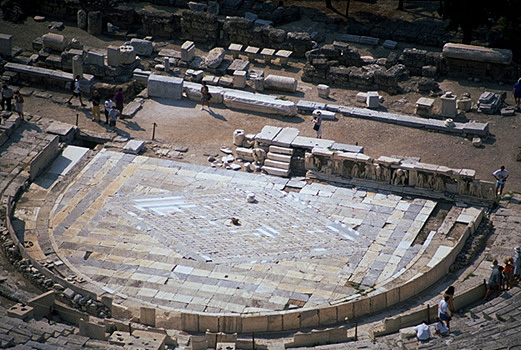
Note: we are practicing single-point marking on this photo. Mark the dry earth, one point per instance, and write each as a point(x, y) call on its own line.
point(204, 133)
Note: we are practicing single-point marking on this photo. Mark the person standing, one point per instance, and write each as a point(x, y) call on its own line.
point(19, 104)
point(517, 263)
point(76, 91)
point(444, 312)
point(450, 293)
point(108, 106)
point(113, 115)
point(118, 100)
point(501, 176)
point(317, 121)
point(95, 99)
point(7, 96)
point(205, 96)
point(494, 281)
point(517, 92)
point(508, 271)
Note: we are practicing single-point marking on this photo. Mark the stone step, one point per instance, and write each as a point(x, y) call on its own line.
point(275, 171)
point(276, 164)
point(279, 157)
point(282, 150)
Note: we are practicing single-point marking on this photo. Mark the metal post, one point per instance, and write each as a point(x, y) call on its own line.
point(253, 341)
point(428, 313)
point(77, 116)
point(356, 331)
point(154, 132)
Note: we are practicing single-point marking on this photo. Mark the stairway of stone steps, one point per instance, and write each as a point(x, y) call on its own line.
point(278, 161)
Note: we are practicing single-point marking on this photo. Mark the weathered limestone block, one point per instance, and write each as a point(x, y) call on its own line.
point(95, 23)
point(148, 316)
point(448, 105)
point(20, 311)
point(279, 82)
point(127, 54)
point(113, 56)
point(81, 19)
point(5, 45)
point(259, 103)
point(215, 57)
point(323, 90)
point(193, 92)
point(165, 87)
point(464, 104)
point(372, 99)
point(77, 66)
point(477, 53)
point(56, 42)
point(239, 79)
point(142, 47)
point(96, 58)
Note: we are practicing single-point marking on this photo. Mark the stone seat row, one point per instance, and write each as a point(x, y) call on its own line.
point(267, 53)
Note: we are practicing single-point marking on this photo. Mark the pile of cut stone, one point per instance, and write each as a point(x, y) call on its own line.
point(490, 102)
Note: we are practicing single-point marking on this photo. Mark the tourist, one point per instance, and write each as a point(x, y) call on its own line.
point(7, 96)
point(517, 92)
point(450, 293)
point(95, 99)
point(76, 91)
point(440, 328)
point(501, 176)
point(444, 312)
point(113, 115)
point(508, 273)
point(205, 96)
point(423, 332)
point(517, 263)
point(118, 100)
point(494, 281)
point(317, 121)
point(108, 107)
point(19, 103)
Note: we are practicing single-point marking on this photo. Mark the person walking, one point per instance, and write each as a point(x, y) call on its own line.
point(113, 115)
point(517, 93)
point(501, 176)
point(95, 99)
point(205, 96)
point(317, 121)
point(76, 91)
point(108, 106)
point(7, 96)
point(118, 100)
point(444, 312)
point(19, 103)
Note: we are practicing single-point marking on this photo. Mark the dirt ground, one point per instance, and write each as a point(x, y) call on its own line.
point(204, 133)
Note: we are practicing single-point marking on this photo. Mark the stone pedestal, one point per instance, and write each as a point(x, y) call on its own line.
point(113, 56)
point(127, 54)
point(142, 47)
point(167, 63)
point(323, 90)
point(187, 51)
point(235, 50)
point(77, 66)
point(95, 23)
point(424, 106)
point(6, 45)
point(464, 104)
point(448, 105)
point(239, 79)
point(268, 55)
point(283, 56)
point(81, 19)
point(252, 51)
point(372, 99)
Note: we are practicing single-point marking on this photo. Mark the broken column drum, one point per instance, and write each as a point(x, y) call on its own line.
point(54, 41)
point(279, 82)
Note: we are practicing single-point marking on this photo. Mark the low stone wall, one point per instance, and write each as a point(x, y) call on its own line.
point(344, 166)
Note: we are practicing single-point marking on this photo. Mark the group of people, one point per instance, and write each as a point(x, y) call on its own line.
point(504, 277)
point(113, 107)
point(7, 98)
point(445, 314)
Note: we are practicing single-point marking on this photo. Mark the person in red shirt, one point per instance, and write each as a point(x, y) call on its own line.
point(508, 273)
point(118, 100)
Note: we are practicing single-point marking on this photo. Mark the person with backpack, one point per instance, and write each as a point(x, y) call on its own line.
point(76, 91)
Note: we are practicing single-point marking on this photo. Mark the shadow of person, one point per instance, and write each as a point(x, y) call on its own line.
point(217, 115)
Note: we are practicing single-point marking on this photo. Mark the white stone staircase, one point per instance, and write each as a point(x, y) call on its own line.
point(278, 161)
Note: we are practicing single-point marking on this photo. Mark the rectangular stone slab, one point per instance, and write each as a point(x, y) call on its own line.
point(268, 133)
point(311, 142)
point(285, 137)
point(259, 103)
point(165, 87)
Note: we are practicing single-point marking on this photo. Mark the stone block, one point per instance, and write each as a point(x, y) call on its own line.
point(350, 38)
point(130, 109)
point(448, 105)
point(92, 330)
point(127, 54)
point(113, 56)
point(347, 148)
point(235, 50)
point(283, 56)
point(259, 103)
point(368, 40)
point(147, 315)
point(254, 324)
point(477, 53)
point(307, 107)
point(252, 51)
point(326, 115)
point(187, 51)
point(96, 58)
point(372, 99)
point(193, 92)
point(291, 321)
point(390, 44)
point(198, 342)
point(54, 42)
point(251, 16)
point(323, 90)
point(6, 45)
point(215, 57)
point(309, 319)
point(285, 137)
point(142, 47)
point(42, 304)
point(263, 23)
point(464, 104)
point(268, 55)
point(81, 19)
point(239, 79)
point(134, 147)
point(424, 106)
point(65, 131)
point(77, 66)
point(327, 315)
point(20, 311)
point(238, 64)
point(208, 322)
point(95, 23)
point(279, 82)
point(165, 87)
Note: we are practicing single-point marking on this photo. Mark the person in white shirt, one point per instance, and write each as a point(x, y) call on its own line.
point(444, 311)
point(501, 176)
point(108, 107)
point(423, 332)
point(76, 91)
